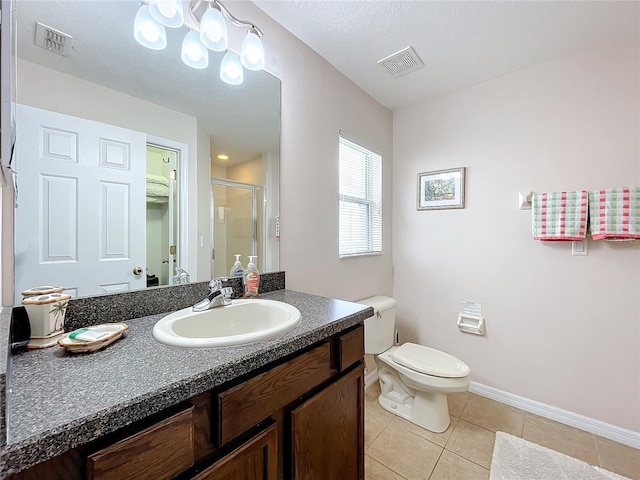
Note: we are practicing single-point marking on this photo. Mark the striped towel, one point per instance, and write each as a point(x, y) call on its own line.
point(614, 214)
point(560, 216)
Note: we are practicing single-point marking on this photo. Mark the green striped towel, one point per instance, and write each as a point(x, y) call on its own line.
point(560, 216)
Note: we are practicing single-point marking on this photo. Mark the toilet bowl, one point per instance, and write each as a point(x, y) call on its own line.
point(414, 379)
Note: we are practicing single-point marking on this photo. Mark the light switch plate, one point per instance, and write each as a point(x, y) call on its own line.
point(579, 248)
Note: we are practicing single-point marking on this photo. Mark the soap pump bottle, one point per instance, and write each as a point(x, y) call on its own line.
point(251, 278)
point(237, 270)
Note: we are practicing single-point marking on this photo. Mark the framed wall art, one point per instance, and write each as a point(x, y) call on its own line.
point(441, 189)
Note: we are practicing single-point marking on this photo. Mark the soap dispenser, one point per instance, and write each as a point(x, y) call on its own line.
point(251, 279)
point(237, 270)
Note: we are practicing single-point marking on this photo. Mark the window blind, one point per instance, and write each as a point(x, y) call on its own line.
point(360, 173)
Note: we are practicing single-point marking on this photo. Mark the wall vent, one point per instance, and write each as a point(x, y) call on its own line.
point(53, 40)
point(402, 62)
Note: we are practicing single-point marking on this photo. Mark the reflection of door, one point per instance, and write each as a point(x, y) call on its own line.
point(162, 220)
point(238, 217)
point(78, 179)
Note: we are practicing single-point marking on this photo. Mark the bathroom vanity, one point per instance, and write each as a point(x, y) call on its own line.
point(290, 407)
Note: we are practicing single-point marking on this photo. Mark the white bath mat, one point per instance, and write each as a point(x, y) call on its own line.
point(518, 459)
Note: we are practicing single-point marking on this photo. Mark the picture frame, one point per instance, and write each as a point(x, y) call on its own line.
point(441, 189)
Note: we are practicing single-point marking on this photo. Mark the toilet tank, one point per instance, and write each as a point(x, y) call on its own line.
point(379, 330)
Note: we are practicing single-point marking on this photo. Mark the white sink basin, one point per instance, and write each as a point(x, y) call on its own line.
point(244, 321)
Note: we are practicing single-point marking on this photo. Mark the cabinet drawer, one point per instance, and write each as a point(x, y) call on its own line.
point(351, 347)
point(156, 453)
point(243, 406)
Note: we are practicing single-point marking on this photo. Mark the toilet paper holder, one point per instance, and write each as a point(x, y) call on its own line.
point(471, 324)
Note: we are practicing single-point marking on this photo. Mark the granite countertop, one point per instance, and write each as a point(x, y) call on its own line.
point(58, 401)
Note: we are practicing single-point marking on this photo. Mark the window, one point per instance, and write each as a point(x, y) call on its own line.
point(360, 200)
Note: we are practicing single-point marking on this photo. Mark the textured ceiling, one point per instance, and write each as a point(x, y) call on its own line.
point(461, 43)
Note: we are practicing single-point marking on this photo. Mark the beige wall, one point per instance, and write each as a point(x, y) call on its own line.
point(251, 171)
point(318, 101)
point(561, 329)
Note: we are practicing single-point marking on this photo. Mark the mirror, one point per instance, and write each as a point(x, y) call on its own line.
point(104, 76)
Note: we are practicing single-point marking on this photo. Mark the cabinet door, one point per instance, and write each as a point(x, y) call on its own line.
point(256, 459)
point(327, 434)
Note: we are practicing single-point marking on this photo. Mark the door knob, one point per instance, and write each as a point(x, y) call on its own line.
point(137, 270)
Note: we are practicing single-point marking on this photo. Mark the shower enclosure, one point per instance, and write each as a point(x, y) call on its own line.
point(237, 223)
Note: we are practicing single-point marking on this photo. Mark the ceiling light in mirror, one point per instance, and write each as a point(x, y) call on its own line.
point(222, 156)
point(169, 13)
point(208, 30)
point(213, 30)
point(231, 69)
point(147, 31)
point(194, 54)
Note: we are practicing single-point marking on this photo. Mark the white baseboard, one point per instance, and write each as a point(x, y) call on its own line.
point(591, 425)
point(597, 427)
point(370, 378)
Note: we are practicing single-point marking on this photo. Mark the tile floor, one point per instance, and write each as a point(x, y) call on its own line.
point(399, 450)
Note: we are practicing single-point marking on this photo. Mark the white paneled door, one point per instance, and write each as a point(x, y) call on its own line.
point(80, 219)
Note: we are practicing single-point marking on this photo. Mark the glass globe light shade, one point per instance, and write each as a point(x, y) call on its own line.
point(147, 31)
point(213, 30)
point(169, 13)
point(252, 52)
point(231, 69)
point(194, 54)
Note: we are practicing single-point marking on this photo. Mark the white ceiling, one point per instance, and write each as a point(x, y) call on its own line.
point(461, 43)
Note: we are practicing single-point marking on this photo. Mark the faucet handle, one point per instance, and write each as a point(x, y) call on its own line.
point(216, 283)
point(226, 291)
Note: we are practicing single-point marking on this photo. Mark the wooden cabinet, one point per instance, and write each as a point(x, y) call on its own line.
point(299, 418)
point(327, 438)
point(256, 459)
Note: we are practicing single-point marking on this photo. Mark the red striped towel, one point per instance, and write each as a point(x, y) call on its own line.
point(560, 216)
point(614, 214)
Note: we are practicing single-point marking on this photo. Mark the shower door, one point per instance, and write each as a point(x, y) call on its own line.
point(237, 221)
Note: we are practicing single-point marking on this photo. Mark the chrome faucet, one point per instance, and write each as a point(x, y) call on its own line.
point(182, 277)
point(218, 296)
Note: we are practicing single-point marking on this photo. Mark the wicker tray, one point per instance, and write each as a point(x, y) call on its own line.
point(114, 331)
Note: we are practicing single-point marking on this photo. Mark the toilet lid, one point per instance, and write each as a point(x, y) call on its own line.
point(430, 361)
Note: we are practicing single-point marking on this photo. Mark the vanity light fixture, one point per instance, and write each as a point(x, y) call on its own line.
point(207, 30)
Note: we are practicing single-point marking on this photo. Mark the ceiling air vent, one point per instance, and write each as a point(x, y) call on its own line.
point(53, 40)
point(402, 62)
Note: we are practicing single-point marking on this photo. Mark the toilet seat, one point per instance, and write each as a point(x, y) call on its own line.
point(423, 381)
point(429, 361)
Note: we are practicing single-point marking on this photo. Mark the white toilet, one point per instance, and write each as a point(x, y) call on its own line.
point(414, 380)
